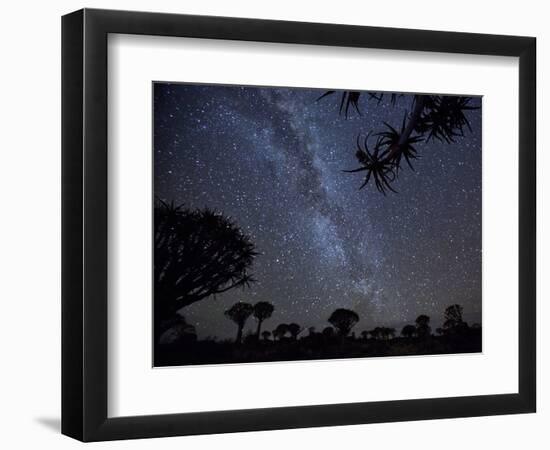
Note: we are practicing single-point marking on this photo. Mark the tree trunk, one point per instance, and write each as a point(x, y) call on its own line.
point(418, 107)
point(343, 337)
point(419, 101)
point(258, 330)
point(239, 335)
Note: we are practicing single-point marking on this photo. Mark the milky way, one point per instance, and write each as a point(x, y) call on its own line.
point(272, 159)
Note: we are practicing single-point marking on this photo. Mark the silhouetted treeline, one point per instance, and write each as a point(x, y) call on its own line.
point(200, 254)
point(288, 341)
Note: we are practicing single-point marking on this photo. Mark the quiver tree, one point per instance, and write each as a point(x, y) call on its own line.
point(294, 329)
point(343, 320)
point(381, 153)
point(387, 332)
point(408, 331)
point(423, 328)
point(453, 315)
point(239, 313)
point(453, 320)
point(280, 331)
point(197, 254)
point(376, 333)
point(262, 311)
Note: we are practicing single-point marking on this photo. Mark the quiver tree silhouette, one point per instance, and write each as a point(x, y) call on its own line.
point(408, 331)
point(431, 117)
point(294, 329)
point(343, 320)
point(423, 328)
point(376, 333)
point(453, 315)
point(384, 333)
point(262, 311)
point(453, 320)
point(280, 331)
point(239, 313)
point(387, 332)
point(197, 254)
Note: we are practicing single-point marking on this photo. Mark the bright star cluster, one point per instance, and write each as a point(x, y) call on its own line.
point(272, 160)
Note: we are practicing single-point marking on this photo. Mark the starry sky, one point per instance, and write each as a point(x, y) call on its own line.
point(272, 160)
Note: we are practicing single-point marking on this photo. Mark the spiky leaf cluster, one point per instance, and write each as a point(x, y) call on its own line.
point(198, 253)
point(382, 164)
point(401, 146)
point(433, 117)
point(349, 99)
point(376, 163)
point(444, 118)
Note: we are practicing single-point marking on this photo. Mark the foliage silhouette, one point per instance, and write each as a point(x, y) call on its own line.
point(343, 320)
point(432, 117)
point(408, 331)
point(375, 163)
point(197, 254)
point(239, 313)
point(387, 332)
point(376, 333)
point(294, 329)
point(423, 328)
point(179, 344)
point(280, 331)
point(453, 320)
point(348, 98)
point(262, 311)
point(383, 333)
point(453, 315)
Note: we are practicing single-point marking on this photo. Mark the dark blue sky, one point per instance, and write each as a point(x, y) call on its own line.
point(272, 159)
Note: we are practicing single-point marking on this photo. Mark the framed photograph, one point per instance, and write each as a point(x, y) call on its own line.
point(274, 224)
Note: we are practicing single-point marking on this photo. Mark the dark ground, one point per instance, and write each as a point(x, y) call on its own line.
point(309, 348)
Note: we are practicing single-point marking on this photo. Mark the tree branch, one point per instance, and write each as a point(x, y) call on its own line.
point(419, 102)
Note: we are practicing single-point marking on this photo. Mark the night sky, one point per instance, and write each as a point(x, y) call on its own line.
point(272, 159)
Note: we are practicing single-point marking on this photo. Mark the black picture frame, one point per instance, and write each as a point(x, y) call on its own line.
point(84, 224)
